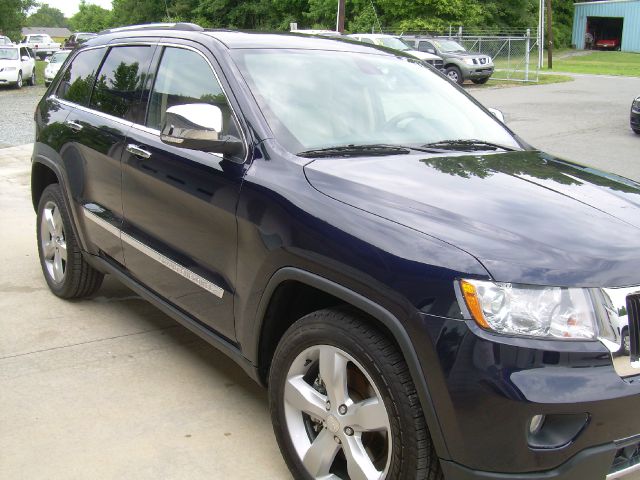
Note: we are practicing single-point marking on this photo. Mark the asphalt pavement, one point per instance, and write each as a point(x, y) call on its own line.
point(111, 388)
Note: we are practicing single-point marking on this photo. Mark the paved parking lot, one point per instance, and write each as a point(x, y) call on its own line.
point(111, 388)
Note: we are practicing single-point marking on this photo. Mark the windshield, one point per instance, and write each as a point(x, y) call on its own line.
point(449, 46)
point(394, 43)
point(8, 54)
point(5, 41)
point(58, 57)
point(318, 99)
point(37, 39)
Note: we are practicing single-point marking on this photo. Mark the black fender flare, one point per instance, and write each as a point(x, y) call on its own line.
point(377, 312)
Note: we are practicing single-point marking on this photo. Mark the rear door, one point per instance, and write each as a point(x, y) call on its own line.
point(107, 102)
point(179, 235)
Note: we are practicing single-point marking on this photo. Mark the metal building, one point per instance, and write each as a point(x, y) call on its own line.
point(607, 25)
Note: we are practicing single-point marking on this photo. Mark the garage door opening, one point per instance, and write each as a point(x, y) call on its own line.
point(606, 32)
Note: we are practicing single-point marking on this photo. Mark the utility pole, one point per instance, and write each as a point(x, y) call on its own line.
point(549, 35)
point(340, 23)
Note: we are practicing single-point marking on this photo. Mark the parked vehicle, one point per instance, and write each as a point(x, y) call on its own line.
point(608, 44)
point(396, 43)
point(635, 115)
point(17, 64)
point(425, 295)
point(41, 44)
point(5, 40)
point(322, 33)
point(55, 61)
point(459, 64)
point(76, 39)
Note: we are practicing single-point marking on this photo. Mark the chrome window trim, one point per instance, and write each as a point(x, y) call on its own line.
point(623, 473)
point(155, 255)
point(139, 126)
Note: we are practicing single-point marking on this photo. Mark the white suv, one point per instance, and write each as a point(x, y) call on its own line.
point(17, 64)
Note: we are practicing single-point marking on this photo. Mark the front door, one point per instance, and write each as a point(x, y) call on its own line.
point(179, 235)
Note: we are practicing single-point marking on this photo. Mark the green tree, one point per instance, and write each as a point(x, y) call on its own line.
point(133, 12)
point(12, 16)
point(90, 18)
point(47, 16)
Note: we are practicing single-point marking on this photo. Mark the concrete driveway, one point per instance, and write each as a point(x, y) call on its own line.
point(110, 388)
point(586, 120)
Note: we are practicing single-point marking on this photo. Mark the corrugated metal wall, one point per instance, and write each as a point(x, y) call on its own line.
point(627, 9)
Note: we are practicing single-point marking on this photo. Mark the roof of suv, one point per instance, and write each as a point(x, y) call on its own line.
point(234, 39)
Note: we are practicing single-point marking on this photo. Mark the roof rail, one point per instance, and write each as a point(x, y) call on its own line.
point(191, 27)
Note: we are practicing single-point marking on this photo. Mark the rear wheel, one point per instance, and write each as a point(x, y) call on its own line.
point(455, 75)
point(65, 270)
point(480, 81)
point(343, 404)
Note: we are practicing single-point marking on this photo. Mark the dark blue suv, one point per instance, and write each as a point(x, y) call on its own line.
point(425, 295)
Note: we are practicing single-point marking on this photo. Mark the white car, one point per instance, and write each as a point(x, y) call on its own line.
point(41, 43)
point(17, 64)
point(55, 61)
point(396, 43)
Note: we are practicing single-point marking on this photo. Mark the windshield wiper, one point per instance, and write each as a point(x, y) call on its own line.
point(468, 145)
point(356, 151)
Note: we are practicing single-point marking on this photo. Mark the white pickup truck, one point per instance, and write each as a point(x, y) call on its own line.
point(41, 43)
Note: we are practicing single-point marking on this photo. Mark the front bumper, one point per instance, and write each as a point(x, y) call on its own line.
point(478, 72)
point(488, 388)
point(8, 78)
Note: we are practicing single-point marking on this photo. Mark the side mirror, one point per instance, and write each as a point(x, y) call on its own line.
point(431, 50)
point(47, 60)
point(25, 58)
point(497, 113)
point(198, 126)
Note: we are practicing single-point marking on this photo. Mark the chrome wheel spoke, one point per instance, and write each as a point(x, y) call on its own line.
point(321, 454)
point(359, 465)
point(57, 221)
point(48, 249)
point(305, 398)
point(58, 269)
point(50, 221)
point(62, 248)
point(333, 371)
point(368, 415)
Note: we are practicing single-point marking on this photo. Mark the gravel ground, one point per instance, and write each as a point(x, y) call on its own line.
point(16, 114)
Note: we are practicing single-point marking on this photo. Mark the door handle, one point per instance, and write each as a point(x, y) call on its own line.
point(137, 151)
point(75, 126)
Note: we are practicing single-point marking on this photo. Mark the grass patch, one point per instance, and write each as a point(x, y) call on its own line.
point(601, 63)
point(543, 80)
point(40, 66)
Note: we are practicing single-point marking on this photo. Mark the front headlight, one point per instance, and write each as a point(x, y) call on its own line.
point(635, 106)
point(552, 312)
point(468, 61)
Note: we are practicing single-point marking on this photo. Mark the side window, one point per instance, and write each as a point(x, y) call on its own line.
point(23, 53)
point(424, 46)
point(78, 79)
point(185, 77)
point(120, 81)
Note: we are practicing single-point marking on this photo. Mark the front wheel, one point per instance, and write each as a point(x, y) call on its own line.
point(19, 81)
point(65, 270)
point(636, 131)
point(480, 81)
point(343, 404)
point(455, 74)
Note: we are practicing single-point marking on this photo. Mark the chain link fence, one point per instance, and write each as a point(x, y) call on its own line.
point(515, 53)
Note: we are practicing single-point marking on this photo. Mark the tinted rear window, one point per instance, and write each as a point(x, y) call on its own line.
point(121, 80)
point(78, 79)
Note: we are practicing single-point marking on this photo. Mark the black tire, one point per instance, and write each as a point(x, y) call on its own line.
point(454, 74)
point(412, 454)
point(636, 131)
point(33, 80)
point(480, 81)
point(79, 278)
point(19, 81)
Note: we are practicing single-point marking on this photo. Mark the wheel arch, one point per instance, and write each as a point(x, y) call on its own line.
point(42, 176)
point(271, 325)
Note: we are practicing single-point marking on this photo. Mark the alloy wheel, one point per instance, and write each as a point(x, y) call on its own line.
point(336, 417)
point(54, 245)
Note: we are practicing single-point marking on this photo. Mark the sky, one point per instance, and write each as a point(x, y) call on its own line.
point(70, 7)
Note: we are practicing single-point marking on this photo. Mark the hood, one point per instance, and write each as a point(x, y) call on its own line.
point(526, 216)
point(423, 55)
